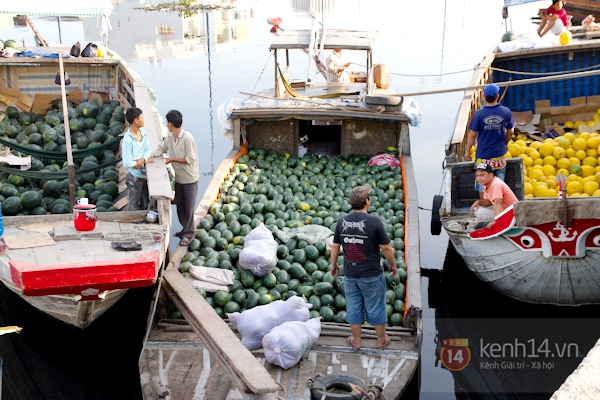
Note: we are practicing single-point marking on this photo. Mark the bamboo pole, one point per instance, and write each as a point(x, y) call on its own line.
point(529, 81)
point(70, 166)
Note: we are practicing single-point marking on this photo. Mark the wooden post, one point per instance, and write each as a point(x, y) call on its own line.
point(70, 166)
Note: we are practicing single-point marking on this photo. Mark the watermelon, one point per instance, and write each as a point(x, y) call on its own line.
point(11, 205)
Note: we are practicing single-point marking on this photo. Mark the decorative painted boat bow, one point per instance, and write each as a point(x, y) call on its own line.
point(545, 249)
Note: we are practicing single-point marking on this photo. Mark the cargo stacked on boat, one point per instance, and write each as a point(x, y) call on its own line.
point(286, 193)
point(44, 187)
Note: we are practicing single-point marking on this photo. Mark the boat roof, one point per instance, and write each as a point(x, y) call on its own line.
point(334, 39)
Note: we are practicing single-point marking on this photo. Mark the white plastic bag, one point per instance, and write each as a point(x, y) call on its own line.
point(255, 323)
point(289, 342)
point(259, 254)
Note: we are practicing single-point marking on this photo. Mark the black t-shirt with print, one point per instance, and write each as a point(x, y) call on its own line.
point(360, 235)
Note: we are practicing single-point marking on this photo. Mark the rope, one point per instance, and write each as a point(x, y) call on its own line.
point(136, 231)
point(261, 72)
point(289, 89)
point(53, 155)
point(54, 175)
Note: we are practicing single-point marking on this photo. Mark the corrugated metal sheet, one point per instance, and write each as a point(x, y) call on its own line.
point(63, 8)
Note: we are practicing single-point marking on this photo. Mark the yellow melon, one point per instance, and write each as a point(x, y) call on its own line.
point(579, 144)
point(587, 170)
point(563, 163)
point(574, 187)
point(575, 169)
point(591, 187)
point(546, 149)
point(591, 161)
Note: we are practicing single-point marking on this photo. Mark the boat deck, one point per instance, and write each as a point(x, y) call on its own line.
point(186, 366)
point(47, 255)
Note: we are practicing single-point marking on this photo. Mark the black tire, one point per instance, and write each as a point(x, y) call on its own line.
point(436, 224)
point(323, 383)
point(391, 100)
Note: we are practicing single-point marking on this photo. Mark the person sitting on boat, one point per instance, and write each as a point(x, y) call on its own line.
point(362, 237)
point(553, 19)
point(493, 127)
point(337, 67)
point(589, 23)
point(135, 150)
point(497, 197)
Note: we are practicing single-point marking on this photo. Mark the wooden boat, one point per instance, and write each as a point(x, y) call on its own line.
point(202, 356)
point(74, 275)
point(547, 251)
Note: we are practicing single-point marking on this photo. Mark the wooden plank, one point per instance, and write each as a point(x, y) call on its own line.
point(411, 251)
point(218, 338)
point(82, 278)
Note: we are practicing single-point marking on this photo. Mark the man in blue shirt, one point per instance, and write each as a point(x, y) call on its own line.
point(493, 127)
point(135, 151)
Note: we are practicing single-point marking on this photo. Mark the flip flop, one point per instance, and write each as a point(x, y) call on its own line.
point(387, 342)
point(184, 241)
point(349, 340)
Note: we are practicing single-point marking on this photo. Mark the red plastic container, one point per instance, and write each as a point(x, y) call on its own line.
point(84, 217)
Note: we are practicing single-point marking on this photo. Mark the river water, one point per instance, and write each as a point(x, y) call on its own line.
point(196, 63)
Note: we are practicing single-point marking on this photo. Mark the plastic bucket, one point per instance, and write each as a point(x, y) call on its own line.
point(84, 217)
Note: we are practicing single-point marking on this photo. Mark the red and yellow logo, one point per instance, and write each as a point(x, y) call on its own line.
point(455, 354)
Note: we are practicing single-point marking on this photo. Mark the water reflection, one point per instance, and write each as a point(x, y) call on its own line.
point(512, 349)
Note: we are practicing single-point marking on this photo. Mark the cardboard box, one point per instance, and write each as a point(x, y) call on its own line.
point(578, 105)
point(523, 117)
point(542, 107)
point(24, 102)
point(75, 95)
point(42, 101)
point(560, 110)
point(593, 104)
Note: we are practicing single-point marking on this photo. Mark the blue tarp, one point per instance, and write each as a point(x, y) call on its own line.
point(40, 53)
point(522, 97)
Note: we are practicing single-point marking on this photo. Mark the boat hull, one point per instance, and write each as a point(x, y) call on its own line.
point(529, 275)
point(549, 253)
point(71, 275)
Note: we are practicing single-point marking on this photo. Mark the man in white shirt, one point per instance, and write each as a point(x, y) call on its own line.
point(337, 67)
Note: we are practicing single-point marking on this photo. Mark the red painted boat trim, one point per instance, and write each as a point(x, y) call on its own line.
point(503, 222)
point(87, 279)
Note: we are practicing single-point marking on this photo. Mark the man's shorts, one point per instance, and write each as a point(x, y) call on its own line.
point(365, 299)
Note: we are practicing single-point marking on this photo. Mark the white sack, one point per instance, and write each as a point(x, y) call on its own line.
point(255, 323)
point(289, 342)
point(206, 286)
point(259, 254)
point(212, 275)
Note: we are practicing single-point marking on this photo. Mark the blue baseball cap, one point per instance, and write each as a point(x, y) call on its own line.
point(491, 90)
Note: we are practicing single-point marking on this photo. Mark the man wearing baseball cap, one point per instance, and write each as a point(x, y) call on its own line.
point(362, 236)
point(493, 127)
point(497, 195)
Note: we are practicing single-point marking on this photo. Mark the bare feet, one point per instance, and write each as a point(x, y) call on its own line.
point(350, 341)
point(385, 343)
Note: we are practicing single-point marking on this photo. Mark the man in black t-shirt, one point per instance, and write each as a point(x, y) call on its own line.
point(362, 236)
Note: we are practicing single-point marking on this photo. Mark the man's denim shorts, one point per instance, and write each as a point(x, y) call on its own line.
point(365, 298)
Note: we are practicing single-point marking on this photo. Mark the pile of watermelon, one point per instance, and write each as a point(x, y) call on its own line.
point(90, 125)
point(282, 190)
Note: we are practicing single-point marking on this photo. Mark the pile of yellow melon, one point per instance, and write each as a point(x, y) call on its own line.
point(574, 155)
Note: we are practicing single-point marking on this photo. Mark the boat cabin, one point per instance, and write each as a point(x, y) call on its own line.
point(322, 118)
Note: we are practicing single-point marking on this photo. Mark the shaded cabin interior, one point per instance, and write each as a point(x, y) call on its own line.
point(324, 137)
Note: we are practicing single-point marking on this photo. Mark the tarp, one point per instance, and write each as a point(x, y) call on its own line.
point(62, 8)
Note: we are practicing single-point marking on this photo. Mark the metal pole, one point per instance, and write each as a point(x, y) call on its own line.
point(519, 82)
point(59, 32)
point(70, 166)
